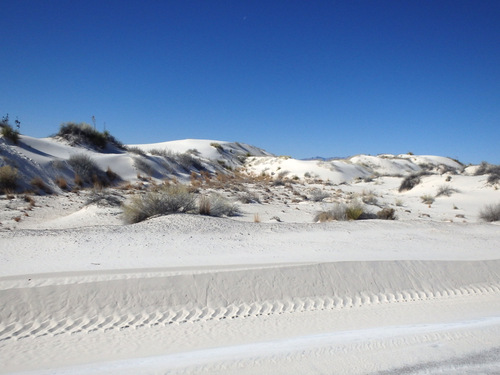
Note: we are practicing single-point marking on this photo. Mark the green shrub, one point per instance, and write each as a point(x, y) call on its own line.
point(490, 213)
point(8, 179)
point(354, 211)
point(170, 199)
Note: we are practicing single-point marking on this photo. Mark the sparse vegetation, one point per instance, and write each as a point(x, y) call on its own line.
point(217, 205)
point(8, 179)
point(136, 150)
point(143, 166)
point(446, 191)
point(8, 132)
point(410, 182)
point(387, 214)
point(490, 213)
point(38, 183)
point(168, 200)
point(340, 212)
point(84, 166)
point(427, 199)
point(85, 135)
point(61, 182)
point(317, 195)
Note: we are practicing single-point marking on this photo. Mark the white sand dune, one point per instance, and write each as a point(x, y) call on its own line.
point(83, 293)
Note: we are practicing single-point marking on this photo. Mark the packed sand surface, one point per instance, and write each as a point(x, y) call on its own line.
point(269, 291)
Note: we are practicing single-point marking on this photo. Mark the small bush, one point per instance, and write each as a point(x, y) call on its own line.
point(40, 185)
point(446, 191)
point(83, 166)
point(136, 150)
point(189, 162)
point(9, 133)
point(340, 212)
point(490, 213)
point(217, 146)
point(317, 195)
point(141, 165)
point(85, 134)
point(170, 199)
point(217, 205)
point(354, 211)
point(410, 182)
point(387, 214)
point(61, 182)
point(8, 179)
point(427, 199)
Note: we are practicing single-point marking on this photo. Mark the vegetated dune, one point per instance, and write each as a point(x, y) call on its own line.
point(268, 291)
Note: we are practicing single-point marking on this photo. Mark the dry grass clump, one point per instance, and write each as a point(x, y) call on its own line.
point(427, 199)
point(8, 179)
point(85, 134)
point(167, 200)
point(317, 195)
point(61, 183)
point(490, 213)
point(340, 212)
point(387, 214)
point(38, 183)
point(446, 191)
point(217, 205)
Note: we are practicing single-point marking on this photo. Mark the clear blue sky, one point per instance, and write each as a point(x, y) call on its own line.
point(302, 78)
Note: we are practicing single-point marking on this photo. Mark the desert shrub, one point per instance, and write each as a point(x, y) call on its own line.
point(491, 169)
point(104, 198)
point(40, 185)
point(141, 165)
point(340, 212)
point(84, 166)
point(446, 191)
point(369, 197)
point(217, 205)
point(85, 134)
point(162, 152)
point(217, 146)
point(410, 182)
point(111, 175)
point(354, 211)
point(136, 150)
point(387, 214)
point(8, 178)
point(490, 213)
point(249, 197)
point(9, 133)
point(427, 199)
point(189, 162)
point(493, 178)
point(317, 195)
point(168, 200)
point(61, 182)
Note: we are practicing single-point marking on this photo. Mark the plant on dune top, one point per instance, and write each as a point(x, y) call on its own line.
point(490, 213)
point(167, 200)
point(85, 134)
point(7, 131)
point(8, 178)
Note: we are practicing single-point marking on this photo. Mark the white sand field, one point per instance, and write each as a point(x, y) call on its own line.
point(82, 292)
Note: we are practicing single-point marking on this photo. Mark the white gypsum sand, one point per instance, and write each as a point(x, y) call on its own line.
point(84, 293)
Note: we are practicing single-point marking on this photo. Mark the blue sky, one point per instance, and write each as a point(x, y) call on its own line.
point(301, 78)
